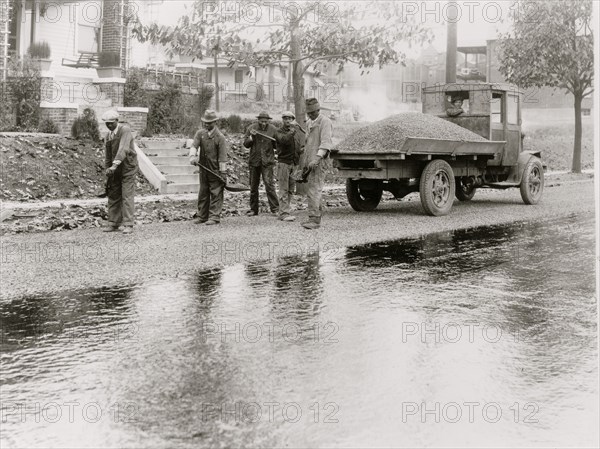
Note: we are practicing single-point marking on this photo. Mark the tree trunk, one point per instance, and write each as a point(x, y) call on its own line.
point(297, 74)
point(216, 70)
point(576, 167)
point(298, 85)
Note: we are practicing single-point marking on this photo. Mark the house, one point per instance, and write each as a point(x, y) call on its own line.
point(76, 32)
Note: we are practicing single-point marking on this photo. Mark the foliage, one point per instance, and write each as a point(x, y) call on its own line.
point(551, 44)
point(7, 116)
point(39, 50)
point(205, 96)
point(24, 90)
point(235, 123)
point(48, 126)
point(166, 108)
point(306, 34)
point(134, 93)
point(86, 126)
point(109, 59)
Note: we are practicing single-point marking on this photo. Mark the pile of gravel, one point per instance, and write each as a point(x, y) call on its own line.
point(389, 134)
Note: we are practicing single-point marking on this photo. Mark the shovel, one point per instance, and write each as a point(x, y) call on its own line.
point(228, 187)
point(103, 193)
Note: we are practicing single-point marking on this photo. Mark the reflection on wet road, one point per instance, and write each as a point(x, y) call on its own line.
point(475, 338)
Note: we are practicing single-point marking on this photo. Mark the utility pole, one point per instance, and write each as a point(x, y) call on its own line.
point(451, 39)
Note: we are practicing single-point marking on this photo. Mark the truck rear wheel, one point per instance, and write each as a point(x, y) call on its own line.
point(437, 187)
point(364, 194)
point(465, 191)
point(532, 183)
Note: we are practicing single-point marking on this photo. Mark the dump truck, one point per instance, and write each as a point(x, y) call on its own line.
point(471, 139)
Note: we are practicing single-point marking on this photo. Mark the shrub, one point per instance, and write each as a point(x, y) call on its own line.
point(205, 96)
point(24, 90)
point(166, 112)
point(86, 126)
point(109, 59)
point(234, 123)
point(48, 126)
point(134, 94)
point(39, 50)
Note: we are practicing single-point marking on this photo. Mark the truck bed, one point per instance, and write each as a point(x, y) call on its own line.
point(427, 146)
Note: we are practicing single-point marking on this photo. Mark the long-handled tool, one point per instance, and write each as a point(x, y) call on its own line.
point(264, 135)
point(228, 187)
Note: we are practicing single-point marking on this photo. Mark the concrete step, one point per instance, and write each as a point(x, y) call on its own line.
point(170, 152)
point(183, 179)
point(178, 169)
point(164, 160)
point(183, 188)
point(163, 144)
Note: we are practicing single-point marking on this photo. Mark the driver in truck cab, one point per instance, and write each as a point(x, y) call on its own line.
point(455, 108)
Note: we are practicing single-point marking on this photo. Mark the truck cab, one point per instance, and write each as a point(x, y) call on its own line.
point(491, 110)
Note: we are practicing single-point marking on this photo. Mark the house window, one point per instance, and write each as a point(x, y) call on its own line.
point(209, 71)
point(239, 76)
point(89, 17)
point(282, 71)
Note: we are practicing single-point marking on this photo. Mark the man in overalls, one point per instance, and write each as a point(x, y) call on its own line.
point(318, 144)
point(121, 169)
point(210, 150)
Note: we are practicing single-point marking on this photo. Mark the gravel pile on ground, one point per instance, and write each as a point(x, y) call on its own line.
point(389, 134)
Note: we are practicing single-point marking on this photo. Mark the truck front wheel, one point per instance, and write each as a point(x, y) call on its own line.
point(532, 183)
point(437, 187)
point(364, 194)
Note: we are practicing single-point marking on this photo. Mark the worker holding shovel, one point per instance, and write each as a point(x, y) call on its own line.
point(260, 139)
point(209, 152)
point(121, 169)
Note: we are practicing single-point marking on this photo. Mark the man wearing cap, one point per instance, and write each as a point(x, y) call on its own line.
point(209, 149)
point(260, 139)
point(121, 167)
point(290, 142)
point(319, 142)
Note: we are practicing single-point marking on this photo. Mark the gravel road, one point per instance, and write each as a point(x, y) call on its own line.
point(49, 262)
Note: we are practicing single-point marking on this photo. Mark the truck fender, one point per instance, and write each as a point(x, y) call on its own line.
point(516, 172)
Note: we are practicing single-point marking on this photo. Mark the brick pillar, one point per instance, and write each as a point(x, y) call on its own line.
point(113, 29)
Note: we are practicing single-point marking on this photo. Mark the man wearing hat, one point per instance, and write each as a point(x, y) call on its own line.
point(260, 139)
point(209, 149)
point(121, 167)
point(319, 131)
point(290, 142)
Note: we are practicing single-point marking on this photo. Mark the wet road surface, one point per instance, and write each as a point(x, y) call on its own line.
point(473, 338)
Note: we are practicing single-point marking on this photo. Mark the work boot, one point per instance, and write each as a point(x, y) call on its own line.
point(289, 218)
point(200, 221)
point(128, 230)
point(311, 225)
point(251, 213)
point(110, 229)
point(211, 222)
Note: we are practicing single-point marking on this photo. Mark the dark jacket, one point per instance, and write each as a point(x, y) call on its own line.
point(262, 150)
point(211, 150)
point(290, 143)
point(121, 147)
